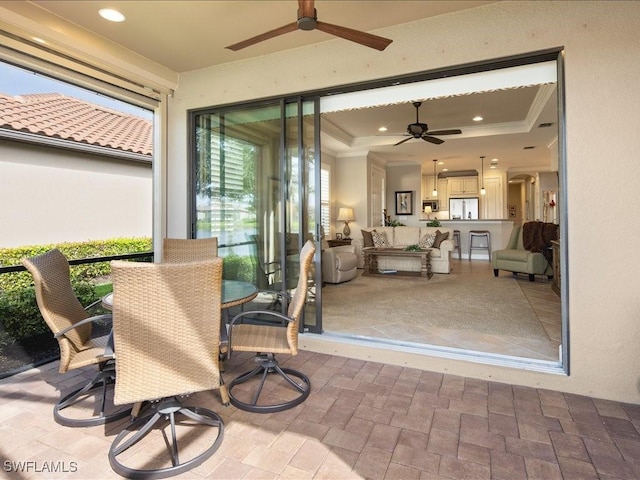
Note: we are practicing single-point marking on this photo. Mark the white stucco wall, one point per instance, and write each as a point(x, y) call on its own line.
point(53, 196)
point(601, 44)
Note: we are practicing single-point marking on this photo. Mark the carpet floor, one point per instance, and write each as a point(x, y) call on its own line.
point(489, 305)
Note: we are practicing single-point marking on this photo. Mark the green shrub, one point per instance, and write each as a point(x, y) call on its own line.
point(236, 267)
point(19, 313)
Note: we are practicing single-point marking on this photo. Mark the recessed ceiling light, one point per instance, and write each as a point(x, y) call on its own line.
point(39, 40)
point(493, 165)
point(477, 118)
point(494, 159)
point(382, 129)
point(440, 163)
point(111, 15)
point(445, 169)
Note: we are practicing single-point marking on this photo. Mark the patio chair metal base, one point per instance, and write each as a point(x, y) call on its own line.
point(103, 380)
point(268, 365)
point(165, 409)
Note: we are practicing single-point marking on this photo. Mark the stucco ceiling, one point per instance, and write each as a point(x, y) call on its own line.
point(189, 35)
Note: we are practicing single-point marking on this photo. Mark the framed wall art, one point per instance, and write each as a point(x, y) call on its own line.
point(404, 202)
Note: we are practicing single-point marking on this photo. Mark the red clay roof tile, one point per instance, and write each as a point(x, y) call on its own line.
point(59, 116)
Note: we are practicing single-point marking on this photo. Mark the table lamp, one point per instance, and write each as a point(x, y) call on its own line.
point(346, 215)
point(428, 211)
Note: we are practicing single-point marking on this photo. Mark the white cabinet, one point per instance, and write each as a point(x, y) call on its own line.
point(427, 188)
point(463, 186)
point(443, 197)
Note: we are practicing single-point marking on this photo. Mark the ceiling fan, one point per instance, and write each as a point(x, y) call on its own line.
point(421, 130)
point(308, 20)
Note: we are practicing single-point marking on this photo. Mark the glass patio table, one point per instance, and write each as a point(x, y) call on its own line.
point(234, 293)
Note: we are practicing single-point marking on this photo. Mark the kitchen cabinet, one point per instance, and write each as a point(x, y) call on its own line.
point(463, 186)
point(443, 197)
point(427, 188)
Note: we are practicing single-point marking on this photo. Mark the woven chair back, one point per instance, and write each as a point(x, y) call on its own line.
point(56, 299)
point(181, 250)
point(166, 325)
point(300, 295)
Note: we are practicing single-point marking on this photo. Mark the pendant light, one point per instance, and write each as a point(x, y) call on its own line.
point(482, 190)
point(435, 179)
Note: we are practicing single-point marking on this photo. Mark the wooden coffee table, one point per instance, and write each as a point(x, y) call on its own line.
point(371, 261)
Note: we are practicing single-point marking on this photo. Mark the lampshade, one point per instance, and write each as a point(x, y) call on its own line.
point(427, 209)
point(346, 214)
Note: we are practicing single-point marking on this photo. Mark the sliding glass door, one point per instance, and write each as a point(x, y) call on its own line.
point(255, 174)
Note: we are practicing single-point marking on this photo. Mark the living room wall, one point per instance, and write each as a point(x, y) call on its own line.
point(601, 78)
point(405, 178)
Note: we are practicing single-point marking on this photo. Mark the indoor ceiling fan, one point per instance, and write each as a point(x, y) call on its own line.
point(308, 20)
point(421, 130)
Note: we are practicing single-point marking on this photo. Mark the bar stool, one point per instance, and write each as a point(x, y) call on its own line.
point(456, 238)
point(479, 234)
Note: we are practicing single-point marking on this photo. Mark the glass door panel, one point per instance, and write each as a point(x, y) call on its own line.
point(238, 190)
point(251, 177)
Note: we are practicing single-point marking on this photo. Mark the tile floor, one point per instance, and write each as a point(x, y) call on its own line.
point(362, 420)
point(545, 303)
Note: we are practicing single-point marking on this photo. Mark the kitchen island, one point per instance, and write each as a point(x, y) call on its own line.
point(499, 229)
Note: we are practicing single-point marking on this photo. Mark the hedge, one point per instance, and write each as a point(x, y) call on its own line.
point(19, 314)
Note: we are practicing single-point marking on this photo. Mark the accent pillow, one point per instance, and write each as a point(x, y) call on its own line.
point(380, 239)
point(367, 238)
point(427, 240)
point(440, 237)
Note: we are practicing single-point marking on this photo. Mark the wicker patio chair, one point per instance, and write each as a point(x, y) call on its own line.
point(166, 324)
point(72, 326)
point(181, 250)
point(267, 339)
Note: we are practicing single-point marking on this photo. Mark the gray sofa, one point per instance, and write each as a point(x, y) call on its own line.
point(400, 237)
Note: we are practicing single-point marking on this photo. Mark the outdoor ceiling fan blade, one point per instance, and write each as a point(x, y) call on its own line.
point(291, 27)
point(433, 140)
point(445, 132)
point(402, 141)
point(363, 38)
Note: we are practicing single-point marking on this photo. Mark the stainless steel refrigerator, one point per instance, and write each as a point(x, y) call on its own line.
point(463, 208)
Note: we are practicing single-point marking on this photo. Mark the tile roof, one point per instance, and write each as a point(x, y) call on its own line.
point(58, 116)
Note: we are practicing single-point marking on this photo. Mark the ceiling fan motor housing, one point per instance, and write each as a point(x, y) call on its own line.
point(306, 22)
point(417, 129)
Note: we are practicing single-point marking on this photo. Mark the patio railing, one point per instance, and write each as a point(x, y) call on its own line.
point(19, 355)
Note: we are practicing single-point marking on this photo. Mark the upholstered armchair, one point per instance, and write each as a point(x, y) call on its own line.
point(339, 264)
point(528, 250)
